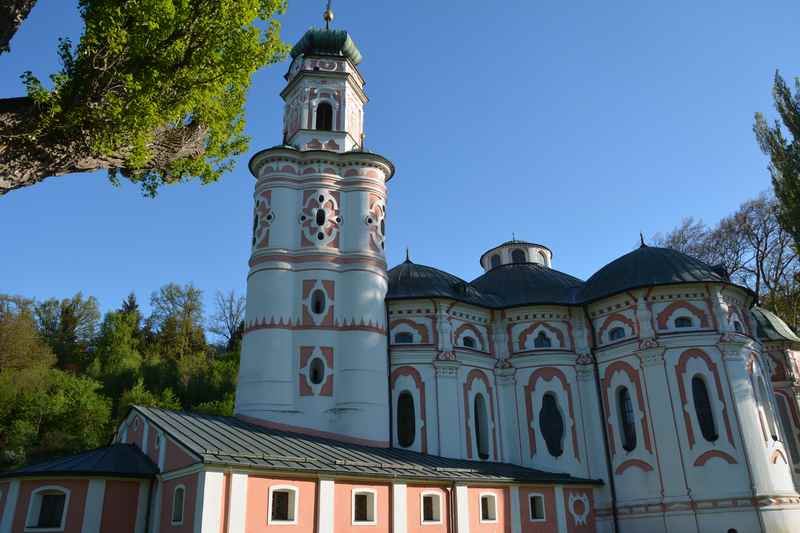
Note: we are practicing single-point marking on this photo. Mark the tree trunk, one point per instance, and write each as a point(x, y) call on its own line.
point(25, 162)
point(12, 13)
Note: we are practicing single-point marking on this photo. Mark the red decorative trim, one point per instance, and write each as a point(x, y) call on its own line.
point(680, 370)
point(470, 327)
point(633, 375)
point(704, 458)
point(616, 317)
point(323, 258)
point(414, 374)
point(633, 463)
point(287, 324)
point(312, 432)
point(525, 333)
point(472, 376)
point(666, 313)
point(548, 374)
point(416, 326)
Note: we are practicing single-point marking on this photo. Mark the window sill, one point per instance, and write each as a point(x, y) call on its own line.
point(282, 522)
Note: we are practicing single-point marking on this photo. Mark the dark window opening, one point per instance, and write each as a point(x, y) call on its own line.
point(431, 511)
point(737, 326)
point(177, 505)
point(626, 419)
point(481, 422)
point(703, 410)
point(551, 424)
point(616, 334)
point(255, 227)
point(320, 217)
point(536, 502)
point(318, 302)
point(468, 342)
point(403, 337)
point(363, 508)
point(518, 256)
point(324, 116)
point(495, 261)
point(280, 505)
point(542, 341)
point(406, 419)
point(316, 371)
point(488, 508)
point(683, 322)
point(51, 511)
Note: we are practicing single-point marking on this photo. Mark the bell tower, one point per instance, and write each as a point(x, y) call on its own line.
point(314, 354)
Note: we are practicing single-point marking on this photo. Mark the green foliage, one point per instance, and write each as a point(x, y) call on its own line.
point(69, 327)
point(145, 67)
point(784, 153)
point(222, 407)
point(139, 395)
point(20, 343)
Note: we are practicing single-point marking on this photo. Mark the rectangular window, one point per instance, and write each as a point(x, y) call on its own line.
point(431, 508)
point(364, 507)
point(177, 505)
point(488, 508)
point(51, 511)
point(282, 505)
point(536, 505)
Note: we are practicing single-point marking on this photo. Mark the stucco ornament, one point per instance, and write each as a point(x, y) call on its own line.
point(579, 508)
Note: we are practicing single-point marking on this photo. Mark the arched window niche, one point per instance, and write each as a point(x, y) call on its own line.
point(481, 422)
point(683, 322)
point(324, 116)
point(47, 509)
point(616, 333)
point(318, 301)
point(627, 419)
point(468, 342)
point(703, 409)
point(403, 337)
point(494, 261)
point(406, 420)
point(178, 501)
point(518, 256)
point(542, 341)
point(766, 405)
point(551, 424)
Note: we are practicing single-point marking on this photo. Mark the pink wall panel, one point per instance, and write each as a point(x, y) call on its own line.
point(502, 524)
point(550, 523)
point(580, 519)
point(167, 489)
point(414, 507)
point(136, 430)
point(77, 500)
point(120, 504)
point(343, 517)
point(258, 505)
point(176, 457)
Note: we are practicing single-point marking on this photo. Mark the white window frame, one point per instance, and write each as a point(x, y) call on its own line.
point(438, 507)
point(531, 496)
point(374, 495)
point(294, 499)
point(35, 506)
point(183, 506)
point(493, 497)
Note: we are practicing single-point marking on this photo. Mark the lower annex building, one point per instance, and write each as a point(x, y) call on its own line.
point(653, 397)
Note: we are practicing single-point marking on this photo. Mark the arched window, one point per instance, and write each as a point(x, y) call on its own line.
point(542, 341)
point(683, 322)
point(616, 333)
point(481, 422)
point(788, 430)
point(468, 342)
point(406, 419)
point(316, 371)
point(255, 227)
point(767, 406)
point(324, 116)
point(627, 422)
point(318, 302)
point(403, 337)
point(543, 257)
point(551, 424)
point(178, 498)
point(47, 509)
point(495, 260)
point(703, 410)
point(518, 256)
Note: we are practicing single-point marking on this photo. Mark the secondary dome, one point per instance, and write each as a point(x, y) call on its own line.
point(648, 266)
point(528, 284)
point(327, 43)
point(410, 280)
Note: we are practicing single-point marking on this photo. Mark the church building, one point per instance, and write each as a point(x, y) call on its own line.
point(653, 397)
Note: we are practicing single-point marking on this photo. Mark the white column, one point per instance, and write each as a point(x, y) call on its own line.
point(325, 506)
point(516, 517)
point(462, 509)
point(142, 503)
point(399, 508)
point(9, 506)
point(93, 509)
point(208, 503)
point(561, 511)
point(237, 503)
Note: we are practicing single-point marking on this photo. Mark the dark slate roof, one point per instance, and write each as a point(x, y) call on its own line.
point(117, 460)
point(328, 43)
point(229, 441)
point(771, 328)
point(527, 284)
point(410, 280)
point(648, 266)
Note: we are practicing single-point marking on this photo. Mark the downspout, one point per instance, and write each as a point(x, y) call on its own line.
point(604, 424)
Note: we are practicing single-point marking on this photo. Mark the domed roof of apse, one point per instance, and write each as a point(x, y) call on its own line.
point(527, 284)
point(327, 42)
point(410, 280)
point(648, 266)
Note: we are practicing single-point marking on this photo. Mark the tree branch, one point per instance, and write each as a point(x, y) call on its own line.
point(12, 14)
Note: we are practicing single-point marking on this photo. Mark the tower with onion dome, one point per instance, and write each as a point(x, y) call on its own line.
point(314, 355)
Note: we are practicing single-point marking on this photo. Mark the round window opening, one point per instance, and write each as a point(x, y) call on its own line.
point(318, 302)
point(316, 371)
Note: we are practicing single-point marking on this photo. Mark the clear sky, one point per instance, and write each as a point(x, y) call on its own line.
point(573, 124)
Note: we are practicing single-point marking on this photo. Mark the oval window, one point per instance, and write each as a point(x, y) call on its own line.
point(405, 419)
point(383, 227)
point(551, 424)
point(320, 217)
point(702, 408)
point(481, 422)
point(316, 372)
point(318, 302)
point(627, 422)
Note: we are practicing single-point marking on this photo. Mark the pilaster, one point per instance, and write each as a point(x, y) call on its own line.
point(237, 503)
point(325, 506)
point(9, 507)
point(505, 377)
point(399, 508)
point(448, 413)
point(462, 509)
point(93, 508)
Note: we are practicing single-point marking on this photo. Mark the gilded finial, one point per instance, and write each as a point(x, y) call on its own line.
point(328, 16)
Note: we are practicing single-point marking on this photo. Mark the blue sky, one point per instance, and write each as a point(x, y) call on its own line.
point(573, 124)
